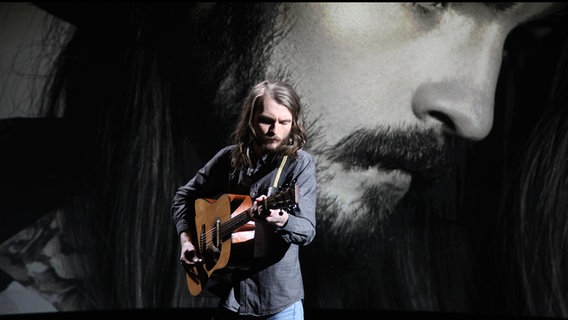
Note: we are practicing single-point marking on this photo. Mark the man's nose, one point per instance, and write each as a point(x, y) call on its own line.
point(462, 97)
point(465, 110)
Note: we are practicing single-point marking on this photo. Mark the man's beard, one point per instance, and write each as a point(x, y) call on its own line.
point(270, 147)
point(358, 249)
point(415, 151)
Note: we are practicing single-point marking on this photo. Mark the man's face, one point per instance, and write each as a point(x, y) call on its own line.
point(272, 125)
point(390, 84)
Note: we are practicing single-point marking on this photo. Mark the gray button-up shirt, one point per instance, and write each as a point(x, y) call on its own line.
point(273, 282)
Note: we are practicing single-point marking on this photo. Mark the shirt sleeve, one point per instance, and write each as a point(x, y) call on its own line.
point(206, 181)
point(301, 226)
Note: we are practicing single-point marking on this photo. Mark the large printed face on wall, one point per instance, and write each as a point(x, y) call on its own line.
point(389, 85)
point(389, 89)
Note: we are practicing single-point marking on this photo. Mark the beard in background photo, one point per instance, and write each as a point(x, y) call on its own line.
point(358, 257)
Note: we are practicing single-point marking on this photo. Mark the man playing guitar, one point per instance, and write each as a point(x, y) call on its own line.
point(214, 212)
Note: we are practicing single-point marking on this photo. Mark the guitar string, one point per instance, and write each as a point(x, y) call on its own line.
point(238, 219)
point(244, 217)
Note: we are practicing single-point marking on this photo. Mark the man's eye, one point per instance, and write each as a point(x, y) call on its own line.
point(428, 7)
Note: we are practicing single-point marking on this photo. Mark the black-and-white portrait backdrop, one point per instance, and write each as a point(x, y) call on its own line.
point(440, 132)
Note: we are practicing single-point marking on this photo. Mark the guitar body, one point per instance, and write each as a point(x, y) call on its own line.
point(212, 245)
point(225, 233)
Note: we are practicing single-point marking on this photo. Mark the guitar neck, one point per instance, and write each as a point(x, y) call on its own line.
point(228, 227)
point(280, 200)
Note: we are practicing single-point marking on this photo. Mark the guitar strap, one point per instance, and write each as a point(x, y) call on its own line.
point(274, 188)
point(275, 185)
point(262, 234)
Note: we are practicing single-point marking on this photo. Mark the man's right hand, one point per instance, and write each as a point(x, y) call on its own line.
point(188, 256)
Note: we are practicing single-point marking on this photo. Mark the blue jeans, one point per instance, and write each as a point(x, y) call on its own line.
point(293, 312)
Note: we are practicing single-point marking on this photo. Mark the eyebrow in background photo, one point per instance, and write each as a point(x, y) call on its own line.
point(440, 174)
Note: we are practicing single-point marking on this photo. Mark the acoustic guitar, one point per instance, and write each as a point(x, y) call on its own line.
point(227, 222)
